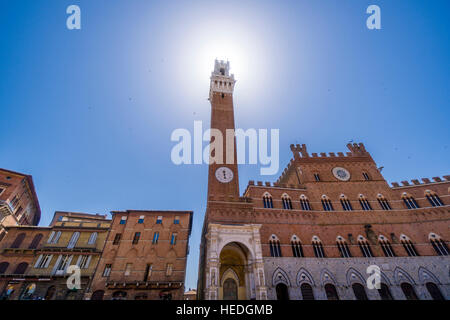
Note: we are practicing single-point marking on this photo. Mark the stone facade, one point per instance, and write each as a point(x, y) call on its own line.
point(343, 272)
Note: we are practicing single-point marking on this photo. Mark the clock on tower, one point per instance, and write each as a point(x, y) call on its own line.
point(223, 177)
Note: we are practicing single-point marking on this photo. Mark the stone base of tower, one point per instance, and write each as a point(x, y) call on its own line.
point(234, 267)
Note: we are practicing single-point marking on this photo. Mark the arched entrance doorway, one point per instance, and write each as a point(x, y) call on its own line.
point(235, 273)
point(230, 289)
point(282, 291)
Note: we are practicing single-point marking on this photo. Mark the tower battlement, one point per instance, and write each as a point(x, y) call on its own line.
point(416, 182)
point(356, 150)
point(221, 80)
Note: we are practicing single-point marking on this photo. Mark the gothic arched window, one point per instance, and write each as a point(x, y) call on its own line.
point(346, 205)
point(73, 240)
point(408, 245)
point(287, 203)
point(384, 204)
point(434, 291)
point(359, 291)
point(433, 198)
point(365, 205)
point(384, 292)
point(343, 247)
point(304, 203)
point(365, 247)
point(408, 291)
point(331, 292)
point(386, 246)
point(409, 201)
point(307, 291)
point(296, 245)
point(326, 203)
point(275, 247)
point(267, 200)
point(318, 247)
point(438, 244)
point(3, 267)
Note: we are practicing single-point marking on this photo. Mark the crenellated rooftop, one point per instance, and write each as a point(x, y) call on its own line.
point(300, 153)
point(416, 182)
point(356, 150)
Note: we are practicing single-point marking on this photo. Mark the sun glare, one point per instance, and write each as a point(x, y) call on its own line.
point(205, 42)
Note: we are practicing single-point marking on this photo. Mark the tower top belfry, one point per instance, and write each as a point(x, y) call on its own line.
point(221, 80)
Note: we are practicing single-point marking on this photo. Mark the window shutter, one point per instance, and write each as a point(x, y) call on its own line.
point(51, 237)
point(48, 261)
point(38, 261)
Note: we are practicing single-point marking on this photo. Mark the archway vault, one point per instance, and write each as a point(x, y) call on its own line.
point(234, 252)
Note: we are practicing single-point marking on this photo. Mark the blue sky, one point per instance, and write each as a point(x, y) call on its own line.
point(89, 112)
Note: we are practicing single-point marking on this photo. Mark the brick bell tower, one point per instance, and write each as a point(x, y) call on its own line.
point(223, 172)
point(228, 233)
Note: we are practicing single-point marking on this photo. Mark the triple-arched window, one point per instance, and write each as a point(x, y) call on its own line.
point(275, 247)
point(384, 203)
point(438, 244)
point(365, 205)
point(318, 247)
point(343, 247)
point(286, 200)
point(408, 245)
point(304, 203)
point(386, 246)
point(433, 198)
point(409, 201)
point(326, 203)
point(346, 205)
point(267, 200)
point(297, 250)
point(364, 246)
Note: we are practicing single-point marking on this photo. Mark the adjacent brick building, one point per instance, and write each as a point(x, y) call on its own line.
point(19, 204)
point(313, 233)
point(144, 257)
